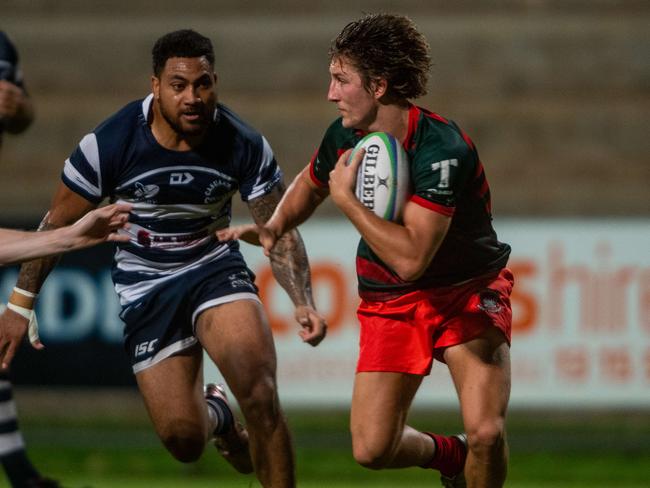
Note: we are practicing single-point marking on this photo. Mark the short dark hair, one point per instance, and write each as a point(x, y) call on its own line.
point(184, 43)
point(386, 46)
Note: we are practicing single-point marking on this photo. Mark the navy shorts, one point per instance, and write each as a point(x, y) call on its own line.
point(162, 323)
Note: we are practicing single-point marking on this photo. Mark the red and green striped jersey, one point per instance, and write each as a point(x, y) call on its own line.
point(447, 177)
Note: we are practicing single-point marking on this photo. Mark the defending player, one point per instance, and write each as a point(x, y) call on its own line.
point(16, 109)
point(16, 115)
point(178, 156)
point(432, 286)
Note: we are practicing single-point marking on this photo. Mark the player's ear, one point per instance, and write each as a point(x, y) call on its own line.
point(155, 87)
point(379, 88)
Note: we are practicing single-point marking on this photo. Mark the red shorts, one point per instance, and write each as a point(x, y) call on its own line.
point(405, 334)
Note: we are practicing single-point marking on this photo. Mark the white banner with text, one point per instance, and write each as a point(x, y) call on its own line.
point(581, 316)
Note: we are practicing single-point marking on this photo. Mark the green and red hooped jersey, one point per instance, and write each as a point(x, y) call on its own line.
point(446, 177)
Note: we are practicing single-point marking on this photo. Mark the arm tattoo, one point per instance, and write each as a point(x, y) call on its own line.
point(33, 273)
point(288, 258)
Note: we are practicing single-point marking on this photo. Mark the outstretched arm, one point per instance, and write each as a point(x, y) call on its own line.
point(97, 226)
point(67, 207)
point(291, 268)
point(296, 206)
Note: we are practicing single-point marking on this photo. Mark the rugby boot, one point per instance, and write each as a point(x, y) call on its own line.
point(42, 483)
point(232, 444)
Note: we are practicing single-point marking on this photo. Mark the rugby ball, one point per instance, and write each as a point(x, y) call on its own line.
point(383, 178)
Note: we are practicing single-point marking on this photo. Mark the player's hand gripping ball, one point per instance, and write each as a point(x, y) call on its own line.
point(383, 179)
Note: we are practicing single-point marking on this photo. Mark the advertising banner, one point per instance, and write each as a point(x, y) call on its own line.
point(581, 318)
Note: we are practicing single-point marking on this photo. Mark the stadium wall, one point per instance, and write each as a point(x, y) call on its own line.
point(554, 92)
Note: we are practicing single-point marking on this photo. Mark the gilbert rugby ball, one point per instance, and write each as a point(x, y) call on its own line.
point(383, 178)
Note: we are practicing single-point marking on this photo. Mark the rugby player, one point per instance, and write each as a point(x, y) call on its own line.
point(178, 156)
point(434, 285)
point(16, 108)
point(16, 115)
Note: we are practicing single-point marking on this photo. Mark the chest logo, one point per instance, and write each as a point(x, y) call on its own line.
point(144, 192)
point(445, 171)
point(180, 178)
point(216, 190)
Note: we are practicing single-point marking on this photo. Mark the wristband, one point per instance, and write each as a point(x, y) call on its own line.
point(29, 314)
point(25, 293)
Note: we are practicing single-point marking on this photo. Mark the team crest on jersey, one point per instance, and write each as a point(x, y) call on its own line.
point(216, 190)
point(145, 192)
point(489, 301)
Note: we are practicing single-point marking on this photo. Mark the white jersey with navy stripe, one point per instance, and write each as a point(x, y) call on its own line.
point(179, 197)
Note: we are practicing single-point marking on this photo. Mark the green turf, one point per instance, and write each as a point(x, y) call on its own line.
point(547, 450)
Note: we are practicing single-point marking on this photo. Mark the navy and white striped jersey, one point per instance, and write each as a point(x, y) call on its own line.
point(179, 197)
point(9, 67)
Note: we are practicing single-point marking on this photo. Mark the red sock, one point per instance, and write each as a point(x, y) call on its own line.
point(449, 456)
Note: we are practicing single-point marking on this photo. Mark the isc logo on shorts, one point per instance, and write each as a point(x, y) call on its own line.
point(145, 347)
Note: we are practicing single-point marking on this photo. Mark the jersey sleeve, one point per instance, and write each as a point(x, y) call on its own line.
point(261, 172)
point(439, 172)
point(82, 172)
point(96, 163)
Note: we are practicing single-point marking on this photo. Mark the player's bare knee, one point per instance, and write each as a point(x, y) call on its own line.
point(184, 440)
point(371, 453)
point(371, 457)
point(487, 437)
point(185, 449)
point(260, 404)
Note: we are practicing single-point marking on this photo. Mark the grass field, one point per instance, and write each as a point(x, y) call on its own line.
point(114, 447)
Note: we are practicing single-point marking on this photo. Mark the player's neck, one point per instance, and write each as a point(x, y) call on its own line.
point(168, 137)
point(392, 118)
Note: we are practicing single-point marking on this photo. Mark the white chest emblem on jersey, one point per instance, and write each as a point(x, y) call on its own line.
point(144, 192)
point(180, 178)
point(445, 170)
